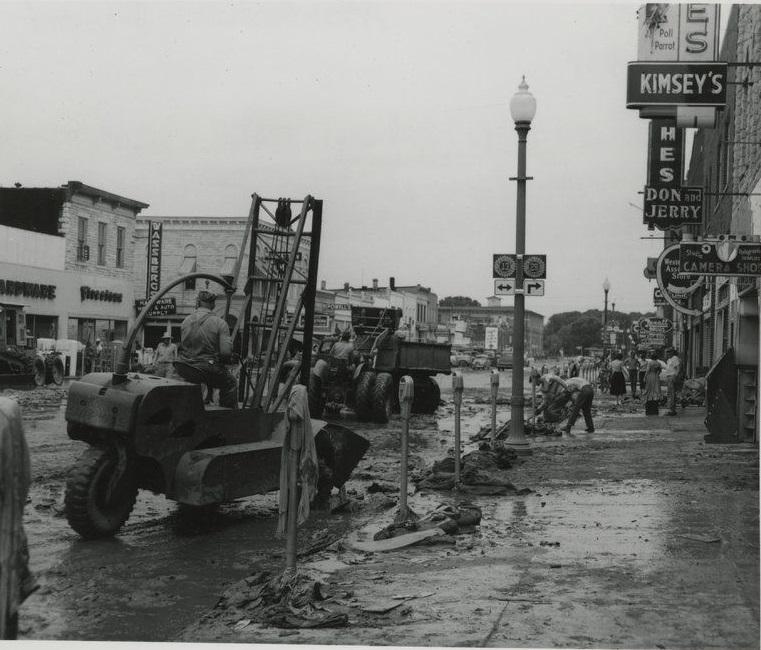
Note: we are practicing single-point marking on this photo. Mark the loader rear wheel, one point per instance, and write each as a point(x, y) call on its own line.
point(99, 499)
point(363, 395)
point(39, 372)
point(314, 394)
point(382, 399)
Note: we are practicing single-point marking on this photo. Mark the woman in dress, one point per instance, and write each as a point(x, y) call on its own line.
point(617, 377)
point(632, 366)
point(652, 389)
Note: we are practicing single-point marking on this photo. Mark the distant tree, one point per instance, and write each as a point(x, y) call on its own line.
point(458, 301)
point(572, 329)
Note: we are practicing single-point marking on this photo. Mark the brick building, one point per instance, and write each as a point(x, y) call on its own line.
point(66, 257)
point(726, 162)
point(467, 325)
point(210, 244)
point(419, 307)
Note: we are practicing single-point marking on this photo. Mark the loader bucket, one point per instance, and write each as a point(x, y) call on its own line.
point(341, 449)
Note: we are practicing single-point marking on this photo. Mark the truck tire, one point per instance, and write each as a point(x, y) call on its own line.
point(90, 510)
point(314, 395)
point(363, 395)
point(427, 395)
point(382, 397)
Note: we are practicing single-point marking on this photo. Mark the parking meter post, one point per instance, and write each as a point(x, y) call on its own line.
point(406, 394)
point(457, 387)
point(494, 380)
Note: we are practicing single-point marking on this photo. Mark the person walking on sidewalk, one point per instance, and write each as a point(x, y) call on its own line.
point(671, 375)
point(652, 389)
point(617, 377)
point(632, 367)
point(582, 393)
point(166, 355)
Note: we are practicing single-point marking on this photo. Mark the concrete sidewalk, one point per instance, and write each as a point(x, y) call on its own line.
point(639, 535)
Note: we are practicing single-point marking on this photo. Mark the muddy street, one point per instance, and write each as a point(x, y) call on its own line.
point(604, 538)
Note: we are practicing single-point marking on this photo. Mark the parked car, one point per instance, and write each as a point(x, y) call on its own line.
point(460, 359)
point(504, 362)
point(480, 362)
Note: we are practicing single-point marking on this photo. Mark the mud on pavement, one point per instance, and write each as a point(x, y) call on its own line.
point(639, 535)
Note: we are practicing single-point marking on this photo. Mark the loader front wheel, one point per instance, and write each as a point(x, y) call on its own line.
point(56, 372)
point(99, 495)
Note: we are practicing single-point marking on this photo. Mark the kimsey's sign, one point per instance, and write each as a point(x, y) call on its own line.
point(668, 84)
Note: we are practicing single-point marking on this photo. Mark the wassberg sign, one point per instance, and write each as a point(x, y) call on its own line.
point(667, 84)
point(719, 258)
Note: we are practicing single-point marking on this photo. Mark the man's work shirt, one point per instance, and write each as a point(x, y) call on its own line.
point(342, 350)
point(205, 337)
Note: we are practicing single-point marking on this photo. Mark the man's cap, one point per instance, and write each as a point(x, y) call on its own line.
point(167, 335)
point(206, 296)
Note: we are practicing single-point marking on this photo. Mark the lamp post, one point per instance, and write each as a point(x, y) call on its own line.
point(605, 288)
point(522, 110)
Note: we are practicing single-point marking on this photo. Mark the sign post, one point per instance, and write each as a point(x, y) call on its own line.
point(406, 395)
point(457, 388)
point(494, 382)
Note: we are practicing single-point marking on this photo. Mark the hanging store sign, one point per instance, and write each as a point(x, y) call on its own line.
point(675, 287)
point(153, 282)
point(678, 32)
point(86, 293)
point(658, 299)
point(723, 257)
point(669, 207)
point(671, 84)
point(665, 154)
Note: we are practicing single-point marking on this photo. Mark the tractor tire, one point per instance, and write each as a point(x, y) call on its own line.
point(427, 395)
point(382, 397)
point(363, 395)
point(90, 511)
point(314, 394)
point(56, 372)
point(39, 373)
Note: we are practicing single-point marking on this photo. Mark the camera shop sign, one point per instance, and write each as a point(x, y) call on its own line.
point(668, 84)
point(668, 207)
point(720, 258)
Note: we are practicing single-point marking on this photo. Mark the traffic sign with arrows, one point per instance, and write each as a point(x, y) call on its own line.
point(533, 287)
point(504, 287)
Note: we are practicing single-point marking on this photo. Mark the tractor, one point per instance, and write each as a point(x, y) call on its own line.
point(161, 434)
point(369, 382)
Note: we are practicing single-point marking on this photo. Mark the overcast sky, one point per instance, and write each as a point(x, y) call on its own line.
point(395, 114)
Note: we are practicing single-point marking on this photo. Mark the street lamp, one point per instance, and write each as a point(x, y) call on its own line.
point(605, 288)
point(522, 110)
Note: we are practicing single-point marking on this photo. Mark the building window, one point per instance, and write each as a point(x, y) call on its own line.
point(120, 248)
point(83, 250)
point(101, 243)
point(228, 266)
point(189, 266)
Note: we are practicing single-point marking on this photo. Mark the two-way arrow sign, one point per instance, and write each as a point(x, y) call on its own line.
point(503, 287)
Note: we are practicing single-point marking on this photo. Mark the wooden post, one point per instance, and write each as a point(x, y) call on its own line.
point(406, 394)
point(457, 387)
point(494, 380)
point(295, 443)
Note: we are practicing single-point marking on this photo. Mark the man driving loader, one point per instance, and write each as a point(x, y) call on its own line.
point(204, 347)
point(343, 349)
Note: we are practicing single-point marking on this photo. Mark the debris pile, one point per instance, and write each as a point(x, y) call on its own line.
point(280, 601)
point(482, 472)
point(530, 428)
point(451, 519)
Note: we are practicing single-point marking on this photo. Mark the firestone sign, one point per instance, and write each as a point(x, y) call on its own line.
point(668, 84)
point(153, 283)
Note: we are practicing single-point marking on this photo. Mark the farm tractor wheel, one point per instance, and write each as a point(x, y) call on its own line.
point(99, 494)
point(427, 395)
point(56, 372)
point(382, 397)
point(363, 395)
point(39, 373)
